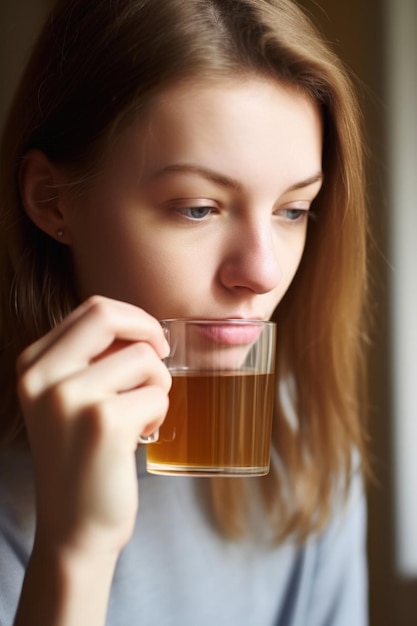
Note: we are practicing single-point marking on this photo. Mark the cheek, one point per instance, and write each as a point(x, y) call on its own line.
point(290, 260)
point(160, 277)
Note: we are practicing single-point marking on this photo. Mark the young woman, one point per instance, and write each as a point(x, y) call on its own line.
point(179, 159)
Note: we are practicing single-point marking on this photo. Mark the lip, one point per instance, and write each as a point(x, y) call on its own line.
point(241, 332)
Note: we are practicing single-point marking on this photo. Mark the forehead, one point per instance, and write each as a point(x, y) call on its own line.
point(237, 126)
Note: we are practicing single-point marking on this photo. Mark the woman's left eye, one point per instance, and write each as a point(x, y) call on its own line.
point(196, 213)
point(293, 215)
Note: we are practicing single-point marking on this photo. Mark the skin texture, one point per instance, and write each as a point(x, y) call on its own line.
point(200, 211)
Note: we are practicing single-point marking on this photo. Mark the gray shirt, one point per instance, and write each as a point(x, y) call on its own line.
point(178, 571)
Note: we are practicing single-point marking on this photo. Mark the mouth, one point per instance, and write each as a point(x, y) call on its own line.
point(238, 333)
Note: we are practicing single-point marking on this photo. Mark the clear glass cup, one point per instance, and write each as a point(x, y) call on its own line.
point(221, 403)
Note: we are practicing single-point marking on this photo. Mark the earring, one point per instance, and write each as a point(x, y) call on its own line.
point(59, 233)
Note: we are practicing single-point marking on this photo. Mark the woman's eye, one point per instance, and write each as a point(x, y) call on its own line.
point(293, 215)
point(196, 213)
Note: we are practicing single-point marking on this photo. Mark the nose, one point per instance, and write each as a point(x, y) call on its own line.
point(250, 260)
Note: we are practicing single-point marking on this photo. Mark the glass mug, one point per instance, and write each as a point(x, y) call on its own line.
point(219, 420)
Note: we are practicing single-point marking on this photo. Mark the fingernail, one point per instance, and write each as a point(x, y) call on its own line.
point(150, 438)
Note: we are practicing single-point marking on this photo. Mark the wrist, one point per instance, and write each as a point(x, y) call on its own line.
point(66, 586)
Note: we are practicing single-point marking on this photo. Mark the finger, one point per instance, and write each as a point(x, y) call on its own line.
point(145, 410)
point(36, 349)
point(120, 421)
point(136, 365)
point(133, 366)
point(71, 348)
point(120, 319)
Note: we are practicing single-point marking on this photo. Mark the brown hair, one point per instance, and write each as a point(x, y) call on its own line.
point(96, 66)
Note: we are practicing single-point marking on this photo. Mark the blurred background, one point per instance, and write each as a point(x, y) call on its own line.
point(377, 39)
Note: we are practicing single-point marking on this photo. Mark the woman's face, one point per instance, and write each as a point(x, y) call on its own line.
point(202, 208)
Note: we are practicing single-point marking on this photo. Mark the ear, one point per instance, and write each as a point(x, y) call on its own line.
point(42, 195)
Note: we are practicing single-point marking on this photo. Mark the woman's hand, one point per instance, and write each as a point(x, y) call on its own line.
point(89, 389)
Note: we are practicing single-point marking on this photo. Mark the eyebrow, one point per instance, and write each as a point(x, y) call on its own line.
point(220, 179)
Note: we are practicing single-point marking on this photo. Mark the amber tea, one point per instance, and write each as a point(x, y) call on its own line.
point(217, 423)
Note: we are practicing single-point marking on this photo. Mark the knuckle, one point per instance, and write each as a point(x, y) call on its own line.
point(95, 300)
point(100, 309)
point(27, 387)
